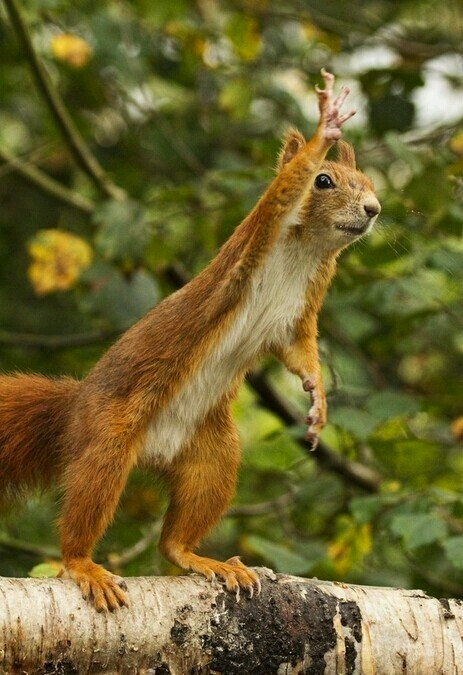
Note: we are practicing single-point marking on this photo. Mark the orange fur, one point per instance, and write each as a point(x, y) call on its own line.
point(89, 434)
point(202, 482)
point(33, 452)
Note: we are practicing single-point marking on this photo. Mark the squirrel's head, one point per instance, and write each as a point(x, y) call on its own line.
point(342, 205)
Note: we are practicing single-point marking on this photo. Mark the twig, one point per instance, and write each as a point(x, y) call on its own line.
point(26, 547)
point(47, 184)
point(79, 149)
point(262, 508)
point(29, 340)
point(117, 560)
point(176, 142)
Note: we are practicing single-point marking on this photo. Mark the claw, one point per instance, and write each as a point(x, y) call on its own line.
point(312, 419)
point(347, 116)
point(331, 119)
point(234, 561)
point(328, 77)
point(312, 438)
point(251, 592)
point(308, 385)
point(121, 583)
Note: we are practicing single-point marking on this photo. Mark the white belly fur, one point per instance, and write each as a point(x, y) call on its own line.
point(274, 303)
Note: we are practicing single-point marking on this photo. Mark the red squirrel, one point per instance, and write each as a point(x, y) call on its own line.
point(161, 395)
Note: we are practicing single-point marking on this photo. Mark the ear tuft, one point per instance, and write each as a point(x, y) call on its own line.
point(346, 154)
point(293, 141)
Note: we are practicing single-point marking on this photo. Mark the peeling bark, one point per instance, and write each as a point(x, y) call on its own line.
point(181, 625)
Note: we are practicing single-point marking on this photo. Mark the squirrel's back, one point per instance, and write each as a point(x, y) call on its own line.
point(34, 411)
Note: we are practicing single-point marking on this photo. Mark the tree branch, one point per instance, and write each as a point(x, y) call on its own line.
point(80, 151)
point(47, 184)
point(353, 472)
point(26, 547)
point(186, 624)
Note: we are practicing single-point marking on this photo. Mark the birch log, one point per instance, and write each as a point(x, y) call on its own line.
point(181, 625)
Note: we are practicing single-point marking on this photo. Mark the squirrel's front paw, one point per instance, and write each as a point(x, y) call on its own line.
point(331, 119)
point(316, 417)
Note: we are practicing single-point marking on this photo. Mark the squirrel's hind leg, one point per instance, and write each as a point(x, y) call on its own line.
point(95, 481)
point(202, 481)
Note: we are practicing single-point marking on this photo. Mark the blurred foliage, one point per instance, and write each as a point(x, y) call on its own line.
point(183, 104)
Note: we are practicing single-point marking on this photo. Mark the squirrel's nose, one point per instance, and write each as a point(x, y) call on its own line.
point(372, 208)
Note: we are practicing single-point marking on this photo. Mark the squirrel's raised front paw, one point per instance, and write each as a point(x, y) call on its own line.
point(331, 119)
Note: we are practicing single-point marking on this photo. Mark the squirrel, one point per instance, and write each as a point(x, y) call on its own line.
point(160, 396)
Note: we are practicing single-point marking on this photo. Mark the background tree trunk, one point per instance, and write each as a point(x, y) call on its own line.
point(180, 625)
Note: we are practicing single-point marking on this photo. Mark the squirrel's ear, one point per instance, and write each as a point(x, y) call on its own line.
point(346, 154)
point(292, 143)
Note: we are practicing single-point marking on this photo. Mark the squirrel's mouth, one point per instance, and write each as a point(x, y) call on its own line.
point(353, 231)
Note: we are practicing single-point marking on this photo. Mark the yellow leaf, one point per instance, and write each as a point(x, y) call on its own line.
point(313, 33)
point(57, 259)
point(351, 544)
point(71, 49)
point(456, 143)
point(457, 428)
point(243, 32)
point(236, 97)
point(311, 30)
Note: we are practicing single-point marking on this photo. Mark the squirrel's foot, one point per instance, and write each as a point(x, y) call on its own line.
point(316, 417)
point(331, 119)
point(105, 590)
point(234, 575)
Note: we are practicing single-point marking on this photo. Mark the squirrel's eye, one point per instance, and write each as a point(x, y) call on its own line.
point(323, 182)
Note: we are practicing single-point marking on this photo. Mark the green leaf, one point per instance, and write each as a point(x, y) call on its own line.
point(385, 405)
point(236, 97)
point(354, 323)
point(45, 570)
point(280, 558)
point(123, 231)
point(364, 509)
point(359, 422)
point(418, 529)
point(169, 96)
point(350, 370)
point(424, 291)
point(275, 454)
point(453, 548)
point(120, 300)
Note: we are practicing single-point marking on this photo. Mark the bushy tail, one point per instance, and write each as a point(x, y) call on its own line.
point(34, 412)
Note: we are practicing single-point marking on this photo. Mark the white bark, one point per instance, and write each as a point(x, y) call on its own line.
point(181, 625)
